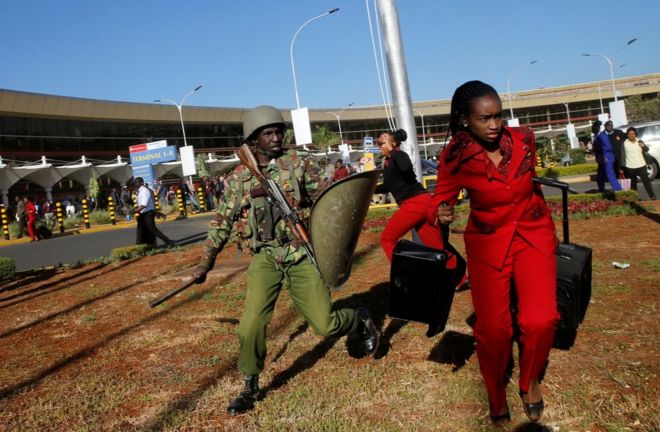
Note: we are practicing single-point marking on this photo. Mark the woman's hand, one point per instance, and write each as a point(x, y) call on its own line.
point(445, 214)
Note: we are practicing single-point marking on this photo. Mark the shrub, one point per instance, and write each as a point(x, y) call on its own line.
point(128, 252)
point(13, 230)
point(99, 217)
point(558, 171)
point(7, 268)
point(577, 156)
point(73, 222)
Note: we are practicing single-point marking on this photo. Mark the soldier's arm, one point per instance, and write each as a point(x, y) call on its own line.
point(314, 181)
point(221, 226)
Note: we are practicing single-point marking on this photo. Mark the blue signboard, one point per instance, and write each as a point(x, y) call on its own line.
point(148, 157)
point(146, 172)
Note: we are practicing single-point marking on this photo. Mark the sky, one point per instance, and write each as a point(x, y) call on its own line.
point(238, 50)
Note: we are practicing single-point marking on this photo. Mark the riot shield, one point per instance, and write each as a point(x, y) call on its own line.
point(335, 223)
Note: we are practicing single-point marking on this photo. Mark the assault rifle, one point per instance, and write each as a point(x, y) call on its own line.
point(276, 197)
point(188, 283)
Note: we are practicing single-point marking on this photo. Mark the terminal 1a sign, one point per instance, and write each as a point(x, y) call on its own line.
point(143, 156)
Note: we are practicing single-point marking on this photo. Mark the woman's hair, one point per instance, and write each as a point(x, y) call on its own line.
point(463, 98)
point(631, 128)
point(398, 135)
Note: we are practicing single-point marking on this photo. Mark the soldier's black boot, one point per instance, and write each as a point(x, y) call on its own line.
point(367, 331)
point(248, 396)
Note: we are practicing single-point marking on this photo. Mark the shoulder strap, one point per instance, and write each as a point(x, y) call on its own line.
point(294, 180)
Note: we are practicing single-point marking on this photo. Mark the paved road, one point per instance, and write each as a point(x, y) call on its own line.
point(75, 248)
point(580, 184)
point(70, 249)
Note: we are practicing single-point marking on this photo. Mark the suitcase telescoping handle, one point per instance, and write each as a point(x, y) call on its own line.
point(545, 181)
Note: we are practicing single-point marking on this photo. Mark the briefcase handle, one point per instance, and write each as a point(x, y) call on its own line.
point(545, 181)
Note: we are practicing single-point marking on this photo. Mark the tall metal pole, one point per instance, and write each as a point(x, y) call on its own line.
point(179, 107)
point(293, 41)
point(508, 83)
point(610, 62)
point(396, 66)
point(421, 114)
point(338, 117)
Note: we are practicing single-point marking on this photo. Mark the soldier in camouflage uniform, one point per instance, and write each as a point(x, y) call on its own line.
point(245, 212)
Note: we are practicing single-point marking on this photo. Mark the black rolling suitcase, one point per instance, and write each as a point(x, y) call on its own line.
point(573, 277)
point(421, 286)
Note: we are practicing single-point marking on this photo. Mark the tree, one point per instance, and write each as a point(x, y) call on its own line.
point(94, 190)
point(543, 149)
point(324, 138)
point(641, 109)
point(202, 168)
point(289, 137)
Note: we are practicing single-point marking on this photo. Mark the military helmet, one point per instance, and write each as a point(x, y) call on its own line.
point(260, 117)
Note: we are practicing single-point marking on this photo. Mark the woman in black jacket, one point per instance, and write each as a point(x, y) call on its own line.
point(413, 200)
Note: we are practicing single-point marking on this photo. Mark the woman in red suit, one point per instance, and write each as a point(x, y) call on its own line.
point(509, 237)
point(31, 213)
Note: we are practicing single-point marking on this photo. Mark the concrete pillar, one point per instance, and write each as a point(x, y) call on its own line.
point(49, 193)
point(5, 197)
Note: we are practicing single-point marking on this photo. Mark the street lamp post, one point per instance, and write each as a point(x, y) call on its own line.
point(423, 133)
point(178, 107)
point(610, 62)
point(338, 116)
point(508, 83)
point(293, 41)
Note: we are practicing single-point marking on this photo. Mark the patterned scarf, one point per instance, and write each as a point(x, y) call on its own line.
point(464, 146)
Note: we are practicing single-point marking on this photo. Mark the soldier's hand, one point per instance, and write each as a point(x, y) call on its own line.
point(445, 214)
point(199, 274)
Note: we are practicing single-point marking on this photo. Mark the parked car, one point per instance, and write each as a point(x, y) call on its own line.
point(649, 132)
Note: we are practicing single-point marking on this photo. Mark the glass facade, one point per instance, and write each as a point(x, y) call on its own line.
point(69, 139)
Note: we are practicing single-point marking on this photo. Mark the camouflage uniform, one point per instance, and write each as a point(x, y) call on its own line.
point(245, 215)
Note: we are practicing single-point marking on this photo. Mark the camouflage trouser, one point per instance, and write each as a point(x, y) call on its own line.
point(311, 300)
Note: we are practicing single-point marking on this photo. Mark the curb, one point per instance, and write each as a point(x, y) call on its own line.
point(93, 229)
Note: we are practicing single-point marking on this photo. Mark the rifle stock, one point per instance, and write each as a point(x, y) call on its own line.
point(187, 284)
point(275, 195)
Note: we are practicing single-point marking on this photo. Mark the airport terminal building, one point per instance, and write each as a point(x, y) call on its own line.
point(61, 131)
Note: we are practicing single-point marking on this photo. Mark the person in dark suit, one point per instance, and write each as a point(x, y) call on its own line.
point(607, 149)
point(617, 138)
point(510, 236)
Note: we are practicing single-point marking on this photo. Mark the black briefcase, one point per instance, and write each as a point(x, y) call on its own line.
point(574, 263)
point(421, 286)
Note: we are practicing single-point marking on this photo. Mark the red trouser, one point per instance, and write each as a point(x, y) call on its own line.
point(534, 276)
point(411, 214)
point(31, 227)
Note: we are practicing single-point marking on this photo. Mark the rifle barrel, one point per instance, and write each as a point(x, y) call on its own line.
point(172, 293)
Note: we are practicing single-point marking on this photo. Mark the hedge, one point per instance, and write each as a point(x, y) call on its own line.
point(558, 171)
point(7, 268)
point(128, 252)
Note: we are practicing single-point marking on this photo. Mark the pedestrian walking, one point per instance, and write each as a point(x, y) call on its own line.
point(146, 222)
point(510, 236)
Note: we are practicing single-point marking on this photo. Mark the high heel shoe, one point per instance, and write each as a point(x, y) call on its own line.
point(501, 420)
point(533, 411)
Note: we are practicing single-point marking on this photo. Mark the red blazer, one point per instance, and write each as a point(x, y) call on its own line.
point(500, 205)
